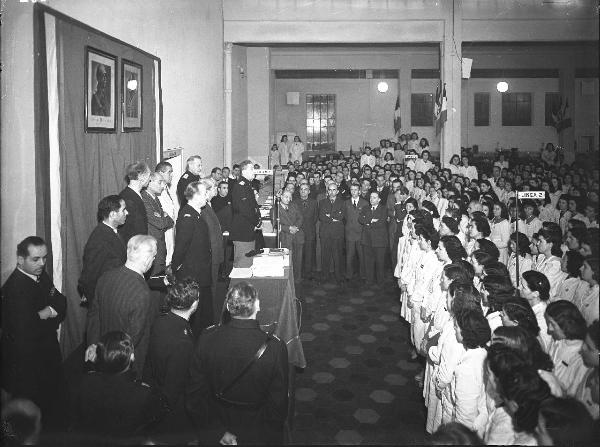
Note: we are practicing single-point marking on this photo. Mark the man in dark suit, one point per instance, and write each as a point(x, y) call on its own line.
point(331, 218)
point(259, 395)
point(365, 189)
point(169, 353)
point(381, 188)
point(158, 220)
point(192, 258)
point(221, 204)
point(374, 238)
point(138, 176)
point(105, 248)
point(32, 310)
point(353, 232)
point(122, 301)
point(246, 216)
point(343, 187)
point(216, 243)
point(309, 209)
point(192, 174)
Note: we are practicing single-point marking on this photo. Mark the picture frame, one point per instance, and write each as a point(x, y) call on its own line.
point(100, 91)
point(131, 96)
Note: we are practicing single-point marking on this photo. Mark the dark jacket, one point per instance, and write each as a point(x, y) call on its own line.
point(310, 214)
point(374, 234)
point(137, 221)
point(219, 356)
point(329, 212)
point(31, 355)
point(158, 223)
point(353, 229)
point(123, 303)
point(192, 256)
point(215, 232)
point(246, 214)
point(222, 208)
point(104, 250)
point(292, 216)
point(182, 184)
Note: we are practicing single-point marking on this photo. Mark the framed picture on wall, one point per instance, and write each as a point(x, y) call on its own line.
point(131, 96)
point(100, 91)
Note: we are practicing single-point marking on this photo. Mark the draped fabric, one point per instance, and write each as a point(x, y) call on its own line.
point(84, 167)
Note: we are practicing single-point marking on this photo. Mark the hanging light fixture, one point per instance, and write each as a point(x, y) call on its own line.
point(502, 86)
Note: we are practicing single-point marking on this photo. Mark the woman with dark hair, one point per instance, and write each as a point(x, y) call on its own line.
point(586, 298)
point(564, 213)
point(567, 327)
point(454, 433)
point(549, 264)
point(516, 311)
point(570, 286)
point(535, 288)
point(588, 392)
point(487, 246)
point(495, 291)
point(525, 261)
point(111, 402)
point(532, 224)
point(495, 268)
point(454, 165)
point(500, 230)
point(431, 208)
point(564, 421)
point(466, 386)
point(450, 249)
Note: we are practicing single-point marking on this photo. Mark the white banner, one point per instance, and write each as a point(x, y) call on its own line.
point(531, 194)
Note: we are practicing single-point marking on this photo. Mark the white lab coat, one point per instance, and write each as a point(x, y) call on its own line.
point(549, 213)
point(569, 288)
point(568, 364)
point(587, 302)
point(367, 160)
point(500, 236)
point(551, 268)
point(296, 150)
point(171, 207)
point(284, 149)
point(425, 274)
point(584, 395)
point(494, 320)
point(531, 227)
point(525, 263)
point(423, 166)
point(543, 337)
point(470, 172)
point(499, 428)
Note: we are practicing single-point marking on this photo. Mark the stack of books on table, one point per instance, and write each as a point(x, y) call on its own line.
point(269, 264)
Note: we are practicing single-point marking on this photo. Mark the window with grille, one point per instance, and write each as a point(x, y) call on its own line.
point(552, 105)
point(421, 109)
point(482, 109)
point(516, 109)
point(320, 122)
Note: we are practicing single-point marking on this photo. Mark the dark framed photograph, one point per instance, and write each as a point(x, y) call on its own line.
point(131, 96)
point(100, 91)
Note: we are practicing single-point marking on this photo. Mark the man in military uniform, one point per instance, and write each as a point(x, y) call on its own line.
point(246, 216)
point(238, 390)
point(169, 353)
point(192, 256)
point(192, 174)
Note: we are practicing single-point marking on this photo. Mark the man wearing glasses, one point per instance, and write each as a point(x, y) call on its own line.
point(331, 218)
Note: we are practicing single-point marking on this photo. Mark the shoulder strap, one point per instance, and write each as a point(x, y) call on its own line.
point(244, 370)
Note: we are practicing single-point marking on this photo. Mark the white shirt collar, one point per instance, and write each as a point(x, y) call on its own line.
point(113, 229)
point(35, 278)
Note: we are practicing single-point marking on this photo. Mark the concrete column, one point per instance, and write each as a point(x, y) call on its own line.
point(566, 87)
point(404, 90)
point(227, 147)
point(451, 74)
point(258, 62)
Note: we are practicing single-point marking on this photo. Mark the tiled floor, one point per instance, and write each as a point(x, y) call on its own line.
point(358, 387)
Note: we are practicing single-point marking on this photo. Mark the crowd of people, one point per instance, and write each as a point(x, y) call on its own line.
point(500, 297)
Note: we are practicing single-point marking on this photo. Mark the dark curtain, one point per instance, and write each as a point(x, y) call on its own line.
point(92, 164)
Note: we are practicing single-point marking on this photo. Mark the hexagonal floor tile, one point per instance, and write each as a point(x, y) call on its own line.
point(367, 293)
point(366, 416)
point(334, 317)
point(388, 318)
point(395, 309)
point(356, 300)
point(407, 366)
point(319, 292)
point(378, 327)
point(395, 379)
point(367, 338)
point(320, 327)
point(323, 377)
point(309, 300)
point(354, 350)
point(348, 437)
point(346, 309)
point(339, 362)
point(329, 286)
point(307, 336)
point(382, 396)
point(306, 394)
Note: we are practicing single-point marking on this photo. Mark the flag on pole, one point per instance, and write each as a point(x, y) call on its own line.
point(442, 115)
point(397, 120)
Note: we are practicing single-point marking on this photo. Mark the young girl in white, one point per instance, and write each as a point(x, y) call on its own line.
point(525, 261)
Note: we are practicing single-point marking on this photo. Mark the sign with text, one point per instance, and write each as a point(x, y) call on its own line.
point(411, 157)
point(263, 172)
point(531, 194)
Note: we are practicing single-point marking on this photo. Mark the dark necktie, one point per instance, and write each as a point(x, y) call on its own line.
point(355, 204)
point(373, 209)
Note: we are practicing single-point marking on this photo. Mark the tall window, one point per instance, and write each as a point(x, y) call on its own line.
point(516, 109)
point(320, 122)
point(552, 104)
point(482, 109)
point(421, 109)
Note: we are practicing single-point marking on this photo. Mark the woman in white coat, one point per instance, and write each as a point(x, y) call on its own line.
point(587, 299)
point(296, 150)
point(525, 261)
point(567, 327)
point(500, 230)
point(572, 286)
point(535, 288)
point(550, 265)
point(466, 387)
point(284, 149)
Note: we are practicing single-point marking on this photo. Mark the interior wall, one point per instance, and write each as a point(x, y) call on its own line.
point(585, 115)
point(193, 104)
point(239, 104)
point(258, 63)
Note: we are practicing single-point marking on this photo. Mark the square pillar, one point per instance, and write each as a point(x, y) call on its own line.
point(566, 88)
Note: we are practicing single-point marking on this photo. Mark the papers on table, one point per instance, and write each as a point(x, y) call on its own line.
point(239, 272)
point(270, 264)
